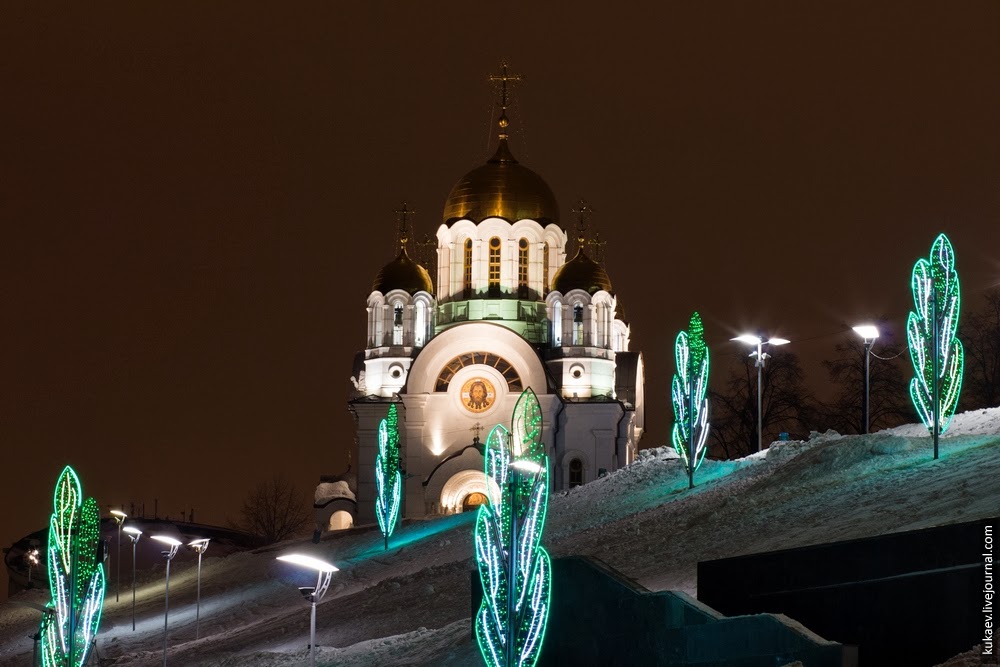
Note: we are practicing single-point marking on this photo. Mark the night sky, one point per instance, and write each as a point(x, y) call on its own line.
point(195, 198)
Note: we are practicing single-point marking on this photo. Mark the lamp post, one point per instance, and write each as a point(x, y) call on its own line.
point(868, 333)
point(119, 519)
point(761, 358)
point(200, 546)
point(32, 558)
point(133, 534)
point(312, 594)
point(172, 545)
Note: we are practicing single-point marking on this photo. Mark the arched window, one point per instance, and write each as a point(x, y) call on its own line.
point(556, 324)
point(578, 324)
point(522, 268)
point(420, 325)
point(397, 325)
point(467, 269)
point(545, 268)
point(575, 473)
point(379, 315)
point(493, 278)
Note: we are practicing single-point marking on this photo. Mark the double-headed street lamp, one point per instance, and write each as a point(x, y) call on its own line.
point(200, 546)
point(119, 519)
point(761, 358)
point(312, 594)
point(133, 534)
point(869, 333)
point(172, 545)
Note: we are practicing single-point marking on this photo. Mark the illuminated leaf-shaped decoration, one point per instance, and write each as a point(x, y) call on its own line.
point(514, 569)
point(526, 427)
point(689, 395)
point(76, 576)
point(936, 300)
point(388, 480)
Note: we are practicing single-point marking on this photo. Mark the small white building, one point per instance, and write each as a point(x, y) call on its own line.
point(505, 311)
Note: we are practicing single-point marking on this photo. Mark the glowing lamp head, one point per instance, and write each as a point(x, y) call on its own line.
point(527, 466)
point(309, 562)
point(777, 341)
point(200, 545)
point(132, 530)
point(166, 539)
point(866, 331)
point(119, 515)
point(749, 339)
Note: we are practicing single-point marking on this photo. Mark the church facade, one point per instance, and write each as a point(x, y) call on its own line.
point(504, 311)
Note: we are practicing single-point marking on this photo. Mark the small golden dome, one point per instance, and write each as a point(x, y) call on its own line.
point(581, 272)
point(501, 188)
point(403, 273)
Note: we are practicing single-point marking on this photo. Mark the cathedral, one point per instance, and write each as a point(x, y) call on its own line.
point(503, 311)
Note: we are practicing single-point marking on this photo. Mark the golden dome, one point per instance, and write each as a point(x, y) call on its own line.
point(501, 188)
point(581, 272)
point(403, 273)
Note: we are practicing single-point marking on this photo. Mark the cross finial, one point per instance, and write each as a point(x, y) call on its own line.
point(403, 231)
point(598, 245)
point(476, 429)
point(503, 78)
point(584, 211)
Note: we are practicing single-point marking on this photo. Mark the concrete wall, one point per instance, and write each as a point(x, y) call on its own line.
point(909, 598)
point(599, 617)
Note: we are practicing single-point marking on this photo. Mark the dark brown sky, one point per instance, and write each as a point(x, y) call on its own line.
point(194, 200)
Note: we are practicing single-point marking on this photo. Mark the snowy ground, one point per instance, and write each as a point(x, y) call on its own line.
point(410, 605)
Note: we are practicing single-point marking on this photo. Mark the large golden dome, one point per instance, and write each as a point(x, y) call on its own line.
point(501, 188)
point(403, 273)
point(581, 272)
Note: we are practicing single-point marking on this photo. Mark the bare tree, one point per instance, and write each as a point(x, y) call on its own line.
point(980, 335)
point(888, 387)
point(274, 511)
point(787, 406)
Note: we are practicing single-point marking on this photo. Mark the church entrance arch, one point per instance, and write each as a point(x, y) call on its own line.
point(467, 490)
point(473, 501)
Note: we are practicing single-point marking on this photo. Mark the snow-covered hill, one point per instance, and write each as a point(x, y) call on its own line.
point(410, 605)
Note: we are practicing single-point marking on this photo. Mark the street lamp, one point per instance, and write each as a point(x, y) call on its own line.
point(324, 572)
point(119, 519)
point(761, 358)
point(133, 534)
point(869, 333)
point(32, 558)
point(200, 546)
point(172, 545)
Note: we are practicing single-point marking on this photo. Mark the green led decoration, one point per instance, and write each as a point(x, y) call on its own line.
point(931, 331)
point(76, 576)
point(388, 480)
point(514, 569)
point(689, 390)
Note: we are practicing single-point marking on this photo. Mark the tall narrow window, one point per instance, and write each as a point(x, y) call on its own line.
point(494, 265)
point(419, 325)
point(397, 326)
point(522, 268)
point(575, 473)
point(557, 324)
point(545, 268)
point(578, 324)
point(467, 269)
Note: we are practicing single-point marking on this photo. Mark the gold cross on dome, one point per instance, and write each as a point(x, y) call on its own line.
point(503, 78)
point(585, 211)
point(404, 231)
